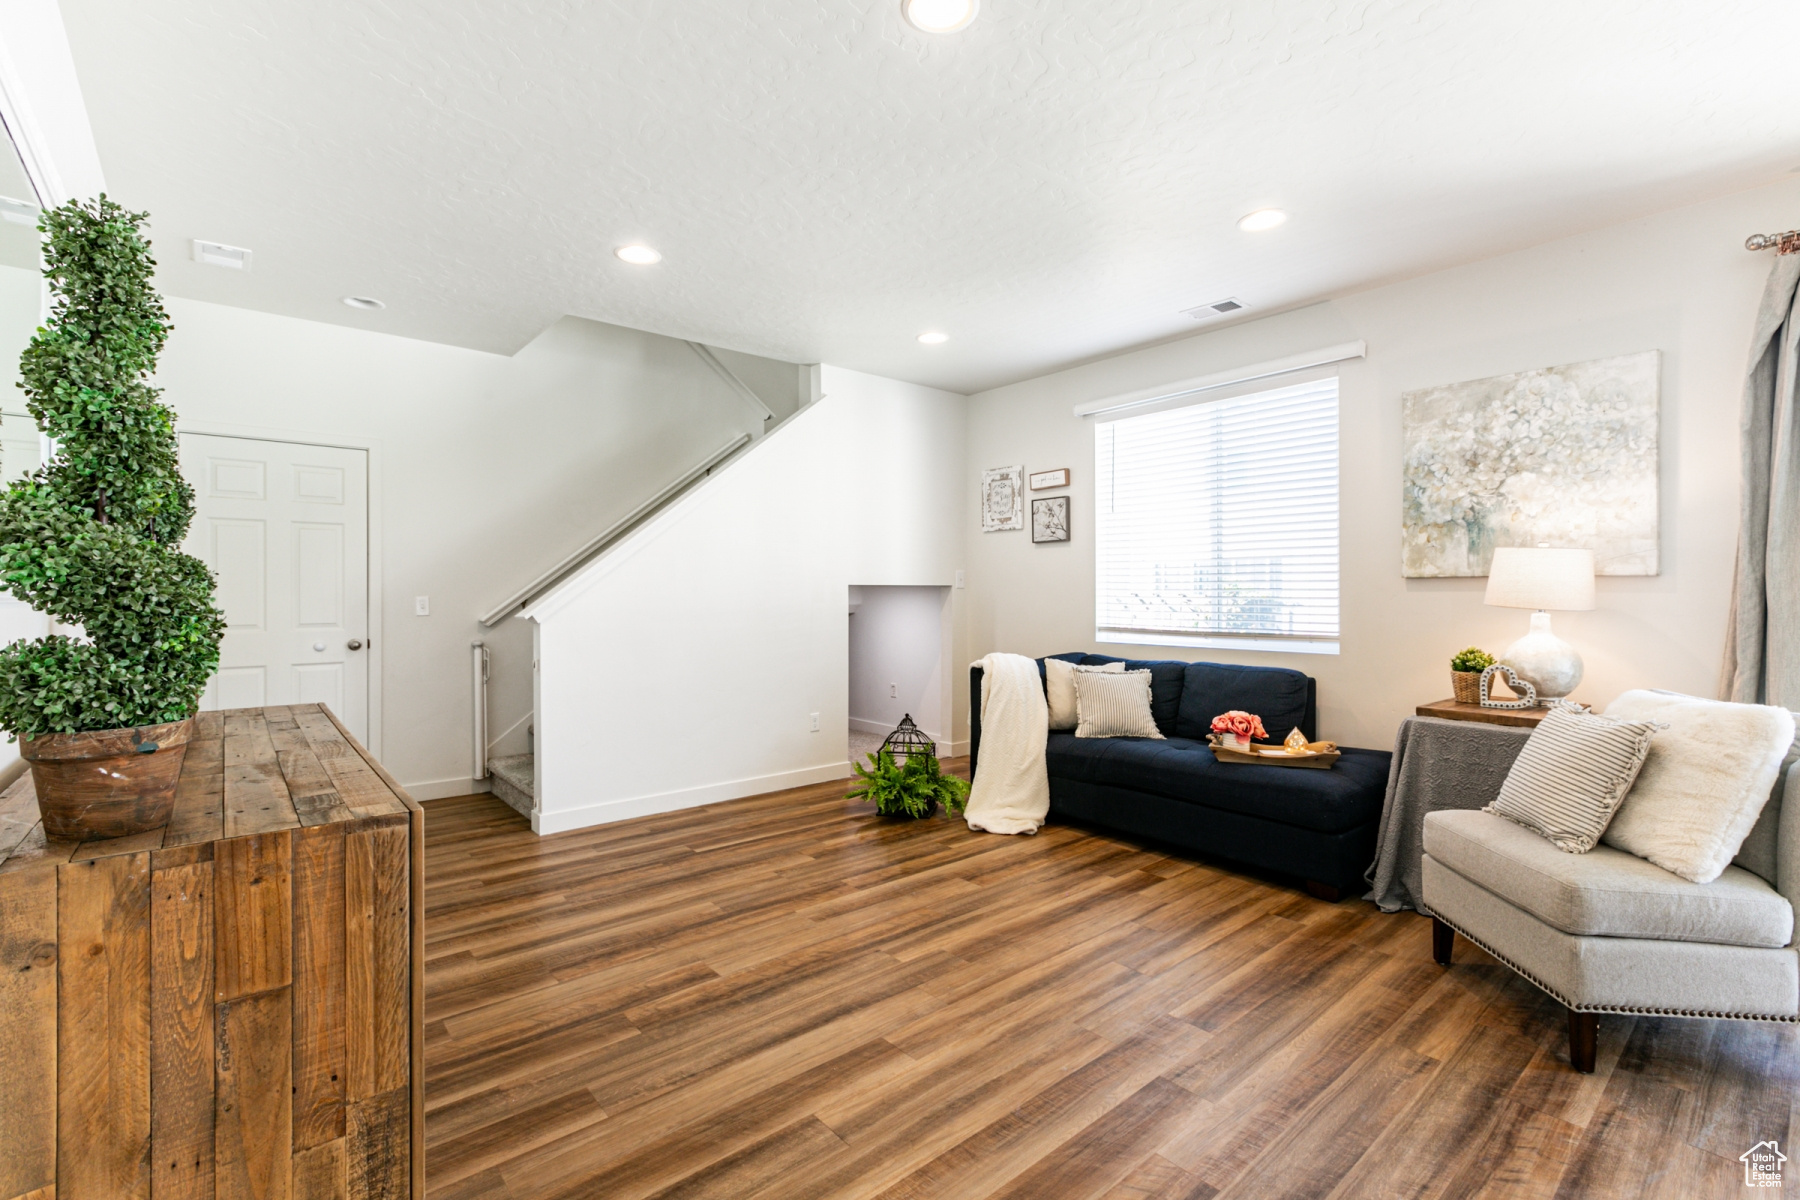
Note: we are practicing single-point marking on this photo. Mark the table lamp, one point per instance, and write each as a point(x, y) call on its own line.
point(1541, 579)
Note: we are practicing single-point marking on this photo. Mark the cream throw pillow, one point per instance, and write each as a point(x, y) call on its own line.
point(1704, 782)
point(1059, 689)
point(1114, 704)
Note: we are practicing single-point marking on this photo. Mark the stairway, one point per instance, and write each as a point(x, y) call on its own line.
point(514, 781)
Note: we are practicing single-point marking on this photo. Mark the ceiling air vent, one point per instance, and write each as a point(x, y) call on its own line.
point(216, 254)
point(1218, 308)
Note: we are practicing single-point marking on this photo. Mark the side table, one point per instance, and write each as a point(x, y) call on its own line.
point(1456, 710)
point(231, 1006)
point(1437, 764)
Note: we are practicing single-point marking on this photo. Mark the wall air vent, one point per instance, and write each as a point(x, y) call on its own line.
point(216, 254)
point(1218, 308)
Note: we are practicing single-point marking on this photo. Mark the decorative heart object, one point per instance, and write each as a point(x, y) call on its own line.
point(1526, 692)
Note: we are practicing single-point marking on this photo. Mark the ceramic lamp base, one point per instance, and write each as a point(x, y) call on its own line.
point(1544, 660)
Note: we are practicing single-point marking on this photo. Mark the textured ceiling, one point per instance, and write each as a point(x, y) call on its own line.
point(1056, 182)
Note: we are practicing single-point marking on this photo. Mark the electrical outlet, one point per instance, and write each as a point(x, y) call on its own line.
point(815, 722)
point(421, 606)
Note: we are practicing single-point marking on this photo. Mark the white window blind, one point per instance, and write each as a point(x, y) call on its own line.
point(1217, 523)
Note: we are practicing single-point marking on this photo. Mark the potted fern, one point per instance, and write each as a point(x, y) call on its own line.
point(91, 539)
point(911, 789)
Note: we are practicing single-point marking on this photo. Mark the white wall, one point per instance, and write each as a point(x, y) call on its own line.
point(486, 471)
point(900, 646)
point(21, 307)
point(1679, 281)
point(682, 668)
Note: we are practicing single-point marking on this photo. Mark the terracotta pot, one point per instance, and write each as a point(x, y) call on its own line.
point(1467, 685)
point(103, 784)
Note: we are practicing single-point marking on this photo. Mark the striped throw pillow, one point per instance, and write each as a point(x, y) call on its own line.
point(1571, 776)
point(1114, 704)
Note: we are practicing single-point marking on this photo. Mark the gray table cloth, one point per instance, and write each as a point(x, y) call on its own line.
point(1437, 764)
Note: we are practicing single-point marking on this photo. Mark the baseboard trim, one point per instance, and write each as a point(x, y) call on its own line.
point(563, 820)
point(441, 789)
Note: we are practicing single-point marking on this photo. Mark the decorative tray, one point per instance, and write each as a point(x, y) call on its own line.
point(1316, 754)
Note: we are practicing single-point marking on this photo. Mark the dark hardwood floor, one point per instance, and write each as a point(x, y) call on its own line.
point(785, 997)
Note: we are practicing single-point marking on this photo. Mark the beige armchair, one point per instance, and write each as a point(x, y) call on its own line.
point(1607, 932)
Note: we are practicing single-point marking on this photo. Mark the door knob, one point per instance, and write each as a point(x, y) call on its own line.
point(355, 643)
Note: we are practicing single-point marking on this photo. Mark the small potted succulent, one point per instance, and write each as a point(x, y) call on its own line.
point(1465, 673)
point(1237, 728)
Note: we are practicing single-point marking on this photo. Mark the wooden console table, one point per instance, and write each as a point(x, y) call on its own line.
point(1457, 710)
point(231, 1006)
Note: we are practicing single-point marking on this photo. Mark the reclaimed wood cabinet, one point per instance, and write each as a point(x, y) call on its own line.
point(231, 1006)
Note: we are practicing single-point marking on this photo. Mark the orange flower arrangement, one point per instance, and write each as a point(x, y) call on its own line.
point(1239, 724)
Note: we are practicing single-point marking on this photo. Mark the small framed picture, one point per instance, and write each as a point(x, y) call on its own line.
point(1050, 519)
point(1000, 496)
point(1049, 479)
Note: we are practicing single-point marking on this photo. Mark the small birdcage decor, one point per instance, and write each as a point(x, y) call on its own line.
point(907, 740)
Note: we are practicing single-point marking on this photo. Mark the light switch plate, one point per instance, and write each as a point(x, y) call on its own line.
point(959, 579)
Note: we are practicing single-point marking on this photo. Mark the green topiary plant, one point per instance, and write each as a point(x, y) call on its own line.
point(1472, 659)
point(90, 537)
point(910, 790)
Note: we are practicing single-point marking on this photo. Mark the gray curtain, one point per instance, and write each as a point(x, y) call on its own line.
point(1762, 644)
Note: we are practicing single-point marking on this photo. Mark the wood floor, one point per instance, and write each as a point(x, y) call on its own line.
point(785, 998)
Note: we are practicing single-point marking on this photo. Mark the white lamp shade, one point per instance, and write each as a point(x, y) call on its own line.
point(1526, 577)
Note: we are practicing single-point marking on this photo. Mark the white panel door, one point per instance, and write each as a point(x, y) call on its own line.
point(285, 527)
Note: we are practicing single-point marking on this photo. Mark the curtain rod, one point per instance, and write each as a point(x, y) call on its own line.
point(1781, 243)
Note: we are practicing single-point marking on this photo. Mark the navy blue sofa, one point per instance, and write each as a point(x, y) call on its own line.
point(1316, 825)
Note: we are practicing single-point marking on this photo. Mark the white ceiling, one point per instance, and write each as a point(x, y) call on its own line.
point(1054, 183)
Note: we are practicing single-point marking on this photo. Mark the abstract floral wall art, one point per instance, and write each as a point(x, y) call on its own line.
point(1564, 456)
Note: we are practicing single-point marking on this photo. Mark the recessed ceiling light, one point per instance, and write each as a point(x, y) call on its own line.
point(934, 338)
point(363, 302)
point(1261, 219)
point(939, 16)
point(638, 256)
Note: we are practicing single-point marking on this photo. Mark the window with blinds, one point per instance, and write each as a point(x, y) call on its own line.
point(1216, 524)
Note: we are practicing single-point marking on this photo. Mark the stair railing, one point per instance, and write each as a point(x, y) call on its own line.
point(478, 656)
point(613, 533)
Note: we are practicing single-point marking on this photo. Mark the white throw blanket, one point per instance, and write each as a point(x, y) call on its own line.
point(1012, 787)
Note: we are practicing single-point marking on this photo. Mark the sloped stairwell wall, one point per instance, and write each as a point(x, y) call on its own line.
point(683, 667)
point(486, 469)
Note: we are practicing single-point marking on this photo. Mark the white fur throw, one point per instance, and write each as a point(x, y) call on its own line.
point(1059, 689)
point(1704, 782)
point(1012, 786)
